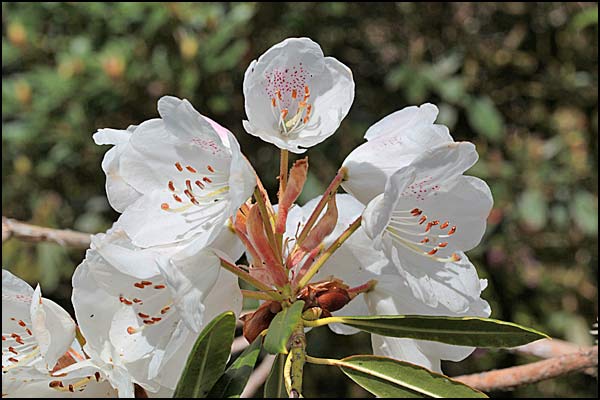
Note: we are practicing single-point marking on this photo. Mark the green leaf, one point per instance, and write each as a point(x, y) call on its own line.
point(585, 18)
point(386, 377)
point(275, 386)
point(533, 209)
point(485, 118)
point(232, 382)
point(208, 358)
point(461, 331)
point(281, 328)
point(585, 212)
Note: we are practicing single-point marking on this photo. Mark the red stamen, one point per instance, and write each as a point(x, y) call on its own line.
point(178, 166)
point(171, 186)
point(191, 169)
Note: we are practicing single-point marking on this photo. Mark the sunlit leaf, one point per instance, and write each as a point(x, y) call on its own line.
point(386, 377)
point(461, 331)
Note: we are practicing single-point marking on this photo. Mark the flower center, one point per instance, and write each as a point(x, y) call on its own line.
point(289, 94)
point(18, 346)
point(194, 188)
point(147, 291)
point(414, 231)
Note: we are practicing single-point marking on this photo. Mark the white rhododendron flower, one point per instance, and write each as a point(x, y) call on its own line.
point(295, 97)
point(154, 301)
point(38, 342)
point(392, 143)
point(175, 178)
point(430, 212)
point(455, 285)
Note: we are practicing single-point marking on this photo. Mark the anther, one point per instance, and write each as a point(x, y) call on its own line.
point(433, 251)
point(178, 166)
point(137, 285)
point(444, 225)
point(207, 179)
point(443, 244)
point(159, 286)
point(294, 93)
point(142, 315)
point(210, 169)
point(131, 330)
point(177, 198)
point(164, 206)
point(425, 240)
point(452, 230)
point(191, 169)
point(423, 219)
point(171, 186)
point(284, 113)
point(199, 184)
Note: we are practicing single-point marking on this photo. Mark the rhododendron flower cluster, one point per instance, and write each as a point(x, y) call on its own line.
point(196, 219)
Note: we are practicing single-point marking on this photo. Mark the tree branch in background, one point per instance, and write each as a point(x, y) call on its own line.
point(258, 377)
point(508, 378)
point(33, 233)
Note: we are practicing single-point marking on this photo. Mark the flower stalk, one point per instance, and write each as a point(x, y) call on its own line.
point(296, 359)
point(245, 276)
point(330, 191)
point(328, 253)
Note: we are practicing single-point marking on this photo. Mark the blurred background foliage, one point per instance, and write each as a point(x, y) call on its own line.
point(520, 80)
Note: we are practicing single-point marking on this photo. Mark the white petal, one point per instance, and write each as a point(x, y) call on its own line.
point(394, 142)
point(147, 224)
point(289, 67)
point(191, 275)
point(410, 120)
point(53, 327)
point(404, 350)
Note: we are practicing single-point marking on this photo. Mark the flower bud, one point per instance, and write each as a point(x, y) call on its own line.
point(260, 320)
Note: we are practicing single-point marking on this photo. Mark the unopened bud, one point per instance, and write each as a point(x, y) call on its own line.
point(260, 320)
point(334, 299)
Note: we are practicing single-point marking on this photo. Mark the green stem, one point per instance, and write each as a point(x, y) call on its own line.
point(321, 361)
point(330, 191)
point(297, 357)
point(322, 321)
point(328, 253)
point(245, 276)
point(271, 295)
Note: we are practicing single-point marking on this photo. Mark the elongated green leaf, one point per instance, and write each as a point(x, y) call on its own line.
point(275, 386)
point(232, 382)
point(281, 328)
point(386, 377)
point(462, 331)
point(208, 358)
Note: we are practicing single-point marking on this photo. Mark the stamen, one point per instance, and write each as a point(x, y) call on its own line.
point(191, 169)
point(199, 184)
point(171, 186)
point(452, 230)
point(178, 166)
point(443, 244)
point(284, 113)
point(210, 169)
point(164, 206)
point(423, 219)
point(444, 225)
point(207, 179)
point(177, 198)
